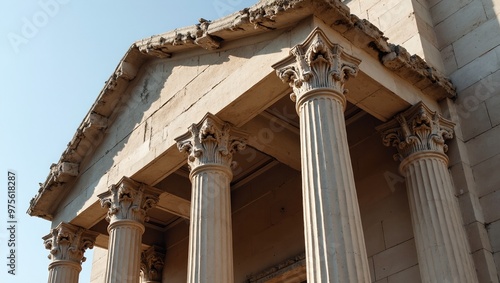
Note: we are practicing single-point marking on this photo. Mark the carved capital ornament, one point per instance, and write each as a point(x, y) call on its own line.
point(67, 242)
point(415, 130)
point(211, 142)
point(129, 200)
point(316, 64)
point(152, 265)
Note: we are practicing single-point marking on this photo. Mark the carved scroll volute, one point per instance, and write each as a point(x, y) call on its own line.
point(129, 200)
point(69, 243)
point(418, 129)
point(317, 63)
point(211, 141)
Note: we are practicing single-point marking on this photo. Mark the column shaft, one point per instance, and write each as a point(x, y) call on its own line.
point(419, 134)
point(335, 249)
point(335, 246)
point(439, 234)
point(128, 203)
point(124, 254)
point(210, 245)
point(210, 145)
point(64, 272)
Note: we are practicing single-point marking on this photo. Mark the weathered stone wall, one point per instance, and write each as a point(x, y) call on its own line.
point(462, 39)
point(468, 33)
point(405, 22)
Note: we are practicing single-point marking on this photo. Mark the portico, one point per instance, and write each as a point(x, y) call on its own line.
point(216, 175)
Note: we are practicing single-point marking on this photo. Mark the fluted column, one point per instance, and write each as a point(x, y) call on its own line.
point(335, 246)
point(152, 265)
point(210, 145)
point(127, 203)
point(442, 247)
point(67, 244)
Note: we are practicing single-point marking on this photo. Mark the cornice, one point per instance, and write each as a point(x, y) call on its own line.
point(264, 16)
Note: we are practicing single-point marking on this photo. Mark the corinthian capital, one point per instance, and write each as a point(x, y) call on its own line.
point(129, 200)
point(211, 141)
point(68, 242)
point(417, 129)
point(152, 265)
point(317, 63)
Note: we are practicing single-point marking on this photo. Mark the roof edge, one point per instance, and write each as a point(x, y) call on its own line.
point(263, 16)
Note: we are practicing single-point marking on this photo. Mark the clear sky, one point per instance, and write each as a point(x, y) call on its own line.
point(55, 57)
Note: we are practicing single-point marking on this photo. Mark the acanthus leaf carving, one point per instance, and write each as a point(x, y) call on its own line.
point(211, 141)
point(152, 264)
point(415, 130)
point(69, 242)
point(317, 63)
point(129, 200)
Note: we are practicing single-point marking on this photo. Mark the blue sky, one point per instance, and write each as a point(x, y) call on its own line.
point(55, 57)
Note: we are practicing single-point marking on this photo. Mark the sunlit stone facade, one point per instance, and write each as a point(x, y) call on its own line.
point(294, 141)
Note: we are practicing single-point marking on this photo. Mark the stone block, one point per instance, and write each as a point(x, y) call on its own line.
point(432, 3)
point(482, 90)
point(366, 5)
point(414, 46)
point(470, 208)
point(431, 54)
point(492, 8)
point(476, 70)
point(355, 7)
point(489, 204)
point(175, 267)
point(496, 257)
point(493, 103)
point(485, 266)
point(457, 150)
point(421, 9)
point(374, 237)
point(98, 265)
point(494, 235)
point(486, 182)
point(395, 259)
point(484, 146)
point(449, 60)
point(476, 121)
point(460, 23)
point(380, 7)
point(444, 9)
point(463, 178)
point(477, 42)
point(478, 237)
point(394, 14)
point(402, 30)
point(410, 275)
point(397, 227)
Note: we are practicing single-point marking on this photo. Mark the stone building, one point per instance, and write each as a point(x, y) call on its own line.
point(291, 141)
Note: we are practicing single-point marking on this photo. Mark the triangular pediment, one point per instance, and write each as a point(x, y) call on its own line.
point(243, 46)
